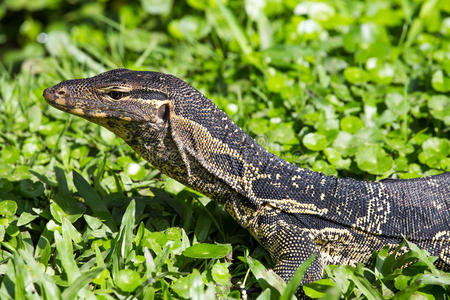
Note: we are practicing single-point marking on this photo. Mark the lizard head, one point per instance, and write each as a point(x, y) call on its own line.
point(161, 117)
point(121, 100)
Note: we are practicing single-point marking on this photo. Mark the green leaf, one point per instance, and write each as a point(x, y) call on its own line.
point(276, 81)
point(69, 230)
point(335, 158)
point(442, 279)
point(364, 286)
point(10, 154)
point(157, 7)
point(439, 106)
point(315, 141)
point(202, 250)
point(8, 208)
point(198, 4)
point(189, 28)
point(265, 295)
point(351, 124)
point(318, 288)
point(258, 126)
point(380, 72)
point(282, 133)
point(5, 185)
point(269, 276)
point(196, 288)
point(128, 280)
point(57, 212)
point(440, 82)
point(173, 186)
point(423, 256)
point(135, 171)
point(401, 282)
point(220, 273)
point(356, 75)
point(322, 166)
point(190, 287)
point(373, 159)
point(202, 227)
point(397, 104)
point(12, 230)
point(433, 151)
point(182, 285)
point(102, 278)
point(341, 91)
point(31, 189)
point(2, 232)
point(343, 143)
point(43, 250)
point(25, 218)
point(92, 222)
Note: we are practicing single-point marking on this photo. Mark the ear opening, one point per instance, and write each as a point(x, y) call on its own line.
point(164, 112)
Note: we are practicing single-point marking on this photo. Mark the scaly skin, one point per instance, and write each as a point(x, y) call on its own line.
point(292, 212)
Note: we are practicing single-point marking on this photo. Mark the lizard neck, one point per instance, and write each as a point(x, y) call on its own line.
point(204, 149)
point(214, 146)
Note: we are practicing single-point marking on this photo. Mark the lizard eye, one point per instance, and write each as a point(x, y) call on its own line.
point(116, 95)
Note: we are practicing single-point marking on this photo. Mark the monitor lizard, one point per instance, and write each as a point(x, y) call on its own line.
point(293, 212)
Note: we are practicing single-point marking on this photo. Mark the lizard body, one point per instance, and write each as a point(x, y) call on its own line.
point(293, 212)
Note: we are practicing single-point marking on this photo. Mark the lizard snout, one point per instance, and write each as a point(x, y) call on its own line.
point(56, 95)
point(49, 94)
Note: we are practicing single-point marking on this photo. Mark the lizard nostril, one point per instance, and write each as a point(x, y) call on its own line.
point(61, 93)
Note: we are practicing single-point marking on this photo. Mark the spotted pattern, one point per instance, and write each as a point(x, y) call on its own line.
point(292, 212)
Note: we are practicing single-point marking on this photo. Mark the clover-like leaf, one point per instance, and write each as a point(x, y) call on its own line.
point(373, 159)
point(315, 141)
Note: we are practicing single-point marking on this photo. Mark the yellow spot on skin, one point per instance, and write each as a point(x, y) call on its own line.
point(60, 101)
point(126, 118)
point(77, 111)
point(99, 115)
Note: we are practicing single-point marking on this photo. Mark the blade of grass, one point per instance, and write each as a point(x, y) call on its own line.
point(423, 257)
point(70, 231)
point(125, 240)
point(294, 283)
point(235, 28)
point(65, 254)
point(19, 284)
point(93, 200)
point(269, 276)
point(364, 285)
point(79, 283)
point(126, 229)
point(49, 289)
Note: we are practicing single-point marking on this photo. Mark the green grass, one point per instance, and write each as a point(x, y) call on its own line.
point(348, 88)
